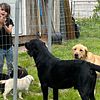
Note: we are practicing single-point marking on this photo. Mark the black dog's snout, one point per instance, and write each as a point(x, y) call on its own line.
point(76, 56)
point(27, 45)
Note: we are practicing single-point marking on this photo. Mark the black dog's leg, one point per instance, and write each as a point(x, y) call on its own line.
point(92, 96)
point(84, 95)
point(55, 94)
point(92, 85)
point(45, 92)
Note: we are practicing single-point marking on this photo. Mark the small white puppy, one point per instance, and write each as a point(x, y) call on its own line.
point(22, 84)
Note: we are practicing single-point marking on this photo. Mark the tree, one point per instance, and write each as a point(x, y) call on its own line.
point(97, 10)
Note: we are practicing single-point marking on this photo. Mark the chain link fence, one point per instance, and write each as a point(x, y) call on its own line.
point(55, 21)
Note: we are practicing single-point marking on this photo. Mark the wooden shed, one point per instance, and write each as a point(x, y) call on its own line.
point(33, 18)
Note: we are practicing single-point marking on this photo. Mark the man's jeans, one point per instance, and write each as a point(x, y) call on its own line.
point(8, 54)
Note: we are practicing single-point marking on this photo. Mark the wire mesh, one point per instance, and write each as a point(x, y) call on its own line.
point(69, 20)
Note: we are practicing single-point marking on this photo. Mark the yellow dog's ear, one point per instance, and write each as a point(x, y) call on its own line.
point(73, 47)
point(86, 51)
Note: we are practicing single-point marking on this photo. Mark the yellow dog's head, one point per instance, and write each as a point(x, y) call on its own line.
point(79, 51)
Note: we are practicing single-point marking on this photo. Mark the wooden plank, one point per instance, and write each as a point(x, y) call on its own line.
point(38, 16)
point(26, 38)
point(68, 18)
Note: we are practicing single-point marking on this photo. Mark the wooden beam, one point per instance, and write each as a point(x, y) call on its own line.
point(68, 18)
point(38, 16)
point(27, 38)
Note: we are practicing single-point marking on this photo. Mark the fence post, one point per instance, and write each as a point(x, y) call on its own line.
point(49, 23)
point(16, 50)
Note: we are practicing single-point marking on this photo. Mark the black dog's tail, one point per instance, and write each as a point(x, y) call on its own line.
point(95, 67)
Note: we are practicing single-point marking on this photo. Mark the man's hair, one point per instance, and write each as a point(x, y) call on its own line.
point(6, 8)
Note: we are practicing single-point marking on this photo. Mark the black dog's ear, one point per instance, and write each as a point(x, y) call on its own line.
point(44, 43)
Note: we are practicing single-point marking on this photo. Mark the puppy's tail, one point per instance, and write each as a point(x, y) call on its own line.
point(95, 67)
point(2, 81)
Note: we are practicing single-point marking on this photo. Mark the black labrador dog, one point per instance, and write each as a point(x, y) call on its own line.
point(22, 72)
point(61, 74)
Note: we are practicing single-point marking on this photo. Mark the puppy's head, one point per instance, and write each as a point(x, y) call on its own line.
point(22, 72)
point(79, 51)
point(30, 77)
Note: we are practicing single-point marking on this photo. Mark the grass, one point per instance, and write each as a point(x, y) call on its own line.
point(90, 37)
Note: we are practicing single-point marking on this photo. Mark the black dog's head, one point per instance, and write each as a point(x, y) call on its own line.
point(34, 46)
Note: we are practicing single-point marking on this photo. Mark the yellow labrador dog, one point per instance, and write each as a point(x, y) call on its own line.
point(81, 52)
point(22, 84)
